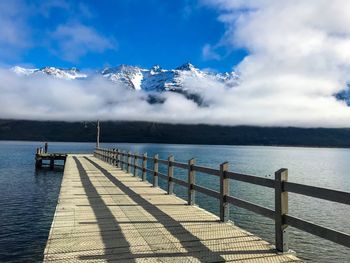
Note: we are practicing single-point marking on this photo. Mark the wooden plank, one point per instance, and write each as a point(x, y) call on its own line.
point(206, 170)
point(180, 165)
point(155, 170)
point(318, 192)
point(281, 209)
point(317, 230)
point(207, 191)
point(170, 175)
point(251, 207)
point(224, 192)
point(251, 179)
point(191, 197)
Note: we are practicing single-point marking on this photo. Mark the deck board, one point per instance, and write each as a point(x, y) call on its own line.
point(107, 215)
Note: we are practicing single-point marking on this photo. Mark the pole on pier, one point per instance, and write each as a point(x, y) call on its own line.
point(191, 182)
point(144, 166)
point(98, 135)
point(46, 147)
point(281, 208)
point(170, 175)
point(155, 170)
point(224, 192)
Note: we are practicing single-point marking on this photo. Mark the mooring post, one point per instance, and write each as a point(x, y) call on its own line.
point(38, 161)
point(281, 208)
point(224, 192)
point(135, 163)
point(52, 163)
point(191, 182)
point(144, 167)
point(129, 161)
point(155, 170)
point(170, 175)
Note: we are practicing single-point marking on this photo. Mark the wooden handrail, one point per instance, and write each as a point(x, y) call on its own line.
point(281, 186)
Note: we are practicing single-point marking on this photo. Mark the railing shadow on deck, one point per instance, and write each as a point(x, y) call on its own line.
point(102, 212)
point(189, 242)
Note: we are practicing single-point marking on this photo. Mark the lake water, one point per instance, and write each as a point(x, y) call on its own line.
point(28, 197)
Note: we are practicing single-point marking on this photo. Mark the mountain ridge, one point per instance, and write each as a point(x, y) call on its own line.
point(155, 79)
point(150, 132)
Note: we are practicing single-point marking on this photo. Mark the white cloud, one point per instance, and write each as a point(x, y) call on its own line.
point(74, 40)
point(299, 57)
point(46, 98)
point(208, 53)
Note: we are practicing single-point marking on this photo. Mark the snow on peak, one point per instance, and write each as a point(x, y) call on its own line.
point(187, 66)
point(72, 73)
point(23, 71)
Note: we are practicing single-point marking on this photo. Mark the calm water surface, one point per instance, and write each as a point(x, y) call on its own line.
point(28, 197)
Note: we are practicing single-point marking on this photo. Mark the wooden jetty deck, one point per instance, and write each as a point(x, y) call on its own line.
point(42, 155)
point(107, 215)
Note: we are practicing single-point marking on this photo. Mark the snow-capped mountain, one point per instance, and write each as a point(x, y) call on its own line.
point(158, 79)
point(154, 80)
point(72, 73)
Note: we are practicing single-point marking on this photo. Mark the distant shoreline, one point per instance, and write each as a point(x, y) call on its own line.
point(230, 145)
point(160, 133)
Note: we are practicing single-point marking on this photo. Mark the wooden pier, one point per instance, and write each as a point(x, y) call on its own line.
point(108, 212)
point(107, 215)
point(45, 159)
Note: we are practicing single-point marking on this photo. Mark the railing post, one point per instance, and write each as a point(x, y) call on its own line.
point(129, 162)
point(114, 157)
point(155, 170)
point(117, 158)
point(170, 175)
point(125, 157)
point(120, 159)
point(281, 208)
point(144, 166)
point(224, 192)
point(135, 163)
point(191, 182)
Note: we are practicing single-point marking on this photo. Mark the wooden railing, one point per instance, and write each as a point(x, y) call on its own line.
point(127, 160)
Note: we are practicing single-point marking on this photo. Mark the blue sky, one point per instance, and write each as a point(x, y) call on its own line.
point(94, 34)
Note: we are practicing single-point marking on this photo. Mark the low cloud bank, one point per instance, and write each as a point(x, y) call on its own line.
point(43, 97)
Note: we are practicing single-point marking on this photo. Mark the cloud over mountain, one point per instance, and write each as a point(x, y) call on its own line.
point(295, 74)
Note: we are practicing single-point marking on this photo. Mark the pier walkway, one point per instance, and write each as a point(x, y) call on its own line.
point(105, 214)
